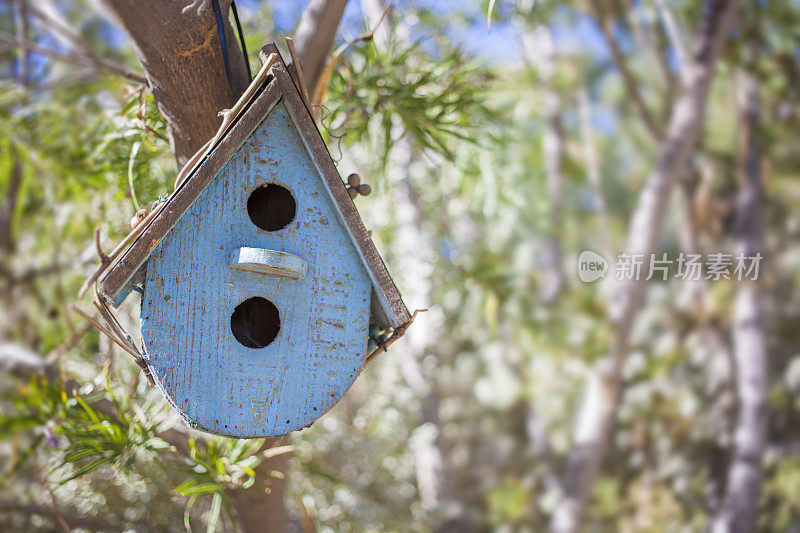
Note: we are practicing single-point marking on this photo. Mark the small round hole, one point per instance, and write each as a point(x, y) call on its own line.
point(271, 207)
point(255, 322)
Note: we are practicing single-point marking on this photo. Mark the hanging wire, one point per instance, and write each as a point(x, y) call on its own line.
point(241, 40)
point(224, 41)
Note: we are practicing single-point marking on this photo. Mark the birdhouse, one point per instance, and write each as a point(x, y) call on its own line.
point(259, 282)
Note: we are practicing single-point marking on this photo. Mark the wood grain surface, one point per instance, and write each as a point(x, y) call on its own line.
point(214, 382)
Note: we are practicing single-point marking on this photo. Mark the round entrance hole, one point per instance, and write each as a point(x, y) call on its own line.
point(255, 322)
point(271, 207)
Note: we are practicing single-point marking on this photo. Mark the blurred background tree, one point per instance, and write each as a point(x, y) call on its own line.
point(501, 139)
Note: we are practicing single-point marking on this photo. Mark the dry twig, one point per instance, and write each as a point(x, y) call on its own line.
point(325, 79)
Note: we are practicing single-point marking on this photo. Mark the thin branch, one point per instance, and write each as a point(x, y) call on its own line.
point(540, 52)
point(111, 335)
point(631, 84)
point(61, 28)
point(632, 15)
point(301, 80)
point(7, 214)
point(325, 78)
point(67, 79)
point(21, 13)
point(59, 517)
point(673, 31)
point(661, 58)
point(77, 59)
point(105, 259)
point(375, 11)
point(70, 343)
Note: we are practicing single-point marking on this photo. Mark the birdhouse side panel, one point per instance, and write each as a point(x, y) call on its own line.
point(226, 375)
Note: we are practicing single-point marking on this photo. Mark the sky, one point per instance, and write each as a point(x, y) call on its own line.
point(501, 42)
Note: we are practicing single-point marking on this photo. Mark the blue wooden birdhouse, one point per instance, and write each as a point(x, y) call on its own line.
point(260, 284)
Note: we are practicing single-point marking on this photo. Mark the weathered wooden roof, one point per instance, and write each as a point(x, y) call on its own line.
point(388, 307)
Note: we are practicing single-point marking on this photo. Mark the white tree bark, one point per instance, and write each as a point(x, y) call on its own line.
point(685, 125)
point(739, 510)
point(673, 30)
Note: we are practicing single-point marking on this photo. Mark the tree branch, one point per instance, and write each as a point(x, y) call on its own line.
point(315, 35)
point(673, 31)
point(540, 51)
point(21, 20)
point(10, 207)
point(601, 12)
point(63, 31)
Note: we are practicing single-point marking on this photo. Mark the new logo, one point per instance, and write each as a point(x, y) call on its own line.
point(591, 266)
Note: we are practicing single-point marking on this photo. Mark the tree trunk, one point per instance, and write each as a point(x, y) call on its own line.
point(182, 57)
point(314, 37)
point(415, 258)
point(739, 510)
point(685, 126)
point(261, 507)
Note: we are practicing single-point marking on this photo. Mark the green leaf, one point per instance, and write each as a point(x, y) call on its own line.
point(214, 512)
point(202, 488)
point(94, 465)
point(188, 512)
